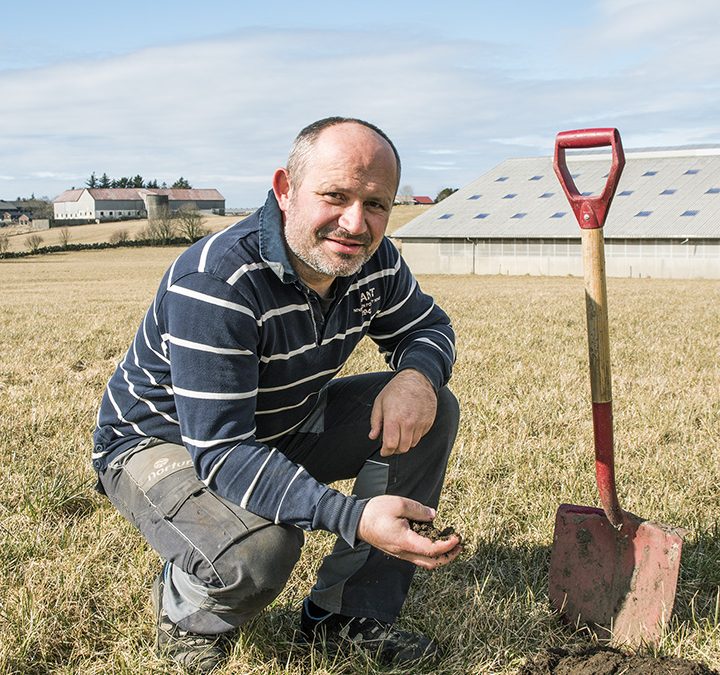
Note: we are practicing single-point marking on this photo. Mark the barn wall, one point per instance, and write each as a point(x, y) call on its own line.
point(624, 258)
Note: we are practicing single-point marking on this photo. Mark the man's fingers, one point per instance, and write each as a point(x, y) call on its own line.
point(439, 559)
point(376, 421)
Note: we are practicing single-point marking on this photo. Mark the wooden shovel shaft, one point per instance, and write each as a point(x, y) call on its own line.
point(593, 245)
point(591, 213)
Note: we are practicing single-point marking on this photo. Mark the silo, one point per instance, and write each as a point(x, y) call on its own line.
point(157, 206)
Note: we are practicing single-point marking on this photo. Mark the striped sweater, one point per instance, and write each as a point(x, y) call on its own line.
point(233, 353)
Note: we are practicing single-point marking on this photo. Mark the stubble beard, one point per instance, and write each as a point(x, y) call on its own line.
point(320, 262)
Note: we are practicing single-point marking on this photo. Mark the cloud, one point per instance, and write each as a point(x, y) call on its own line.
point(223, 112)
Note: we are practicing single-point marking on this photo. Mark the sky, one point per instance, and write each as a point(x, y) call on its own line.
point(215, 91)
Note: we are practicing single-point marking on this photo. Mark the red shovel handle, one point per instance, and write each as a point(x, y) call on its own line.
point(591, 213)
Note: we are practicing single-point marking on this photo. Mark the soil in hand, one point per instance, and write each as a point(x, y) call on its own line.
point(607, 661)
point(431, 532)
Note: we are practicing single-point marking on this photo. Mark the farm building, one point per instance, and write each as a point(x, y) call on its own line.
point(89, 204)
point(664, 220)
point(10, 212)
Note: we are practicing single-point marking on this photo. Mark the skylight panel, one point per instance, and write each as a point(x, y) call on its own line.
point(482, 215)
point(559, 214)
point(519, 215)
point(501, 179)
point(545, 195)
point(669, 191)
point(586, 194)
point(690, 212)
point(625, 193)
point(650, 173)
point(535, 178)
point(445, 216)
point(713, 191)
point(475, 197)
point(643, 214)
point(510, 195)
point(692, 172)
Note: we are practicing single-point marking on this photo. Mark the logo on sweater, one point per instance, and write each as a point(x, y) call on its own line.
point(368, 299)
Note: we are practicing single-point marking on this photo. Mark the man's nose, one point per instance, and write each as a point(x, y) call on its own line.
point(353, 218)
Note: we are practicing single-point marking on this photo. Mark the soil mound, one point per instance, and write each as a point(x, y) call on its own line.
point(606, 661)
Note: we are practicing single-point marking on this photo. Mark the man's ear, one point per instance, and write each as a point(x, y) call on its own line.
point(281, 188)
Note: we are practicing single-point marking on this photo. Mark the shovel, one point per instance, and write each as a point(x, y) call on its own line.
point(609, 569)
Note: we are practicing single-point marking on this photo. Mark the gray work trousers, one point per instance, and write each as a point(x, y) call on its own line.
point(225, 564)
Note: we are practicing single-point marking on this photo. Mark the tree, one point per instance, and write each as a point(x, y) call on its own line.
point(137, 182)
point(92, 182)
point(64, 236)
point(104, 181)
point(445, 192)
point(152, 184)
point(33, 242)
point(161, 228)
point(190, 224)
point(4, 242)
point(181, 184)
point(405, 194)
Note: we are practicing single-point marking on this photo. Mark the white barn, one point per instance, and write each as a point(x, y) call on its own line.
point(90, 204)
point(664, 220)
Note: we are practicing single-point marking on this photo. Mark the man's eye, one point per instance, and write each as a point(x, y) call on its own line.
point(334, 195)
point(376, 205)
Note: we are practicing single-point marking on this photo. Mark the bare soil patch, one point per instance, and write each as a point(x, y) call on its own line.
point(429, 531)
point(607, 661)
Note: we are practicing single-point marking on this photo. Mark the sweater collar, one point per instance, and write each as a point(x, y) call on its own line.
point(272, 241)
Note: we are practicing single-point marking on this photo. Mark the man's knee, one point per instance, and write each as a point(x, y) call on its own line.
point(261, 564)
point(448, 412)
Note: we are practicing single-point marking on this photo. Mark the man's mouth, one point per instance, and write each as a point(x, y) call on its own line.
point(346, 245)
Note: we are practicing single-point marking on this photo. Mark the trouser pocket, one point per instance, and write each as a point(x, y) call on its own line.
point(157, 489)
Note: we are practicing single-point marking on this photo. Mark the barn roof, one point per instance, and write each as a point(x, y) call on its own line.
point(68, 196)
point(666, 193)
point(126, 194)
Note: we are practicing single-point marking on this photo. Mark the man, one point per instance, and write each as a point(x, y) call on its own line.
point(222, 427)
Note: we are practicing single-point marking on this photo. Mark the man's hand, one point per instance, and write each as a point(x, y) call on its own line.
point(403, 412)
point(384, 524)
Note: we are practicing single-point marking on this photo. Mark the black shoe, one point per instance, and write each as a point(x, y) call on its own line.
point(195, 652)
point(383, 641)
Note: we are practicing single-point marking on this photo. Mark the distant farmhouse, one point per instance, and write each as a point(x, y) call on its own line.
point(413, 199)
point(664, 220)
point(12, 212)
point(91, 204)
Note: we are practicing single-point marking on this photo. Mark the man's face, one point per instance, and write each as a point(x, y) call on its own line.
point(337, 212)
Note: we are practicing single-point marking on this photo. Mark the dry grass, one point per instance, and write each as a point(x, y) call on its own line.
point(76, 577)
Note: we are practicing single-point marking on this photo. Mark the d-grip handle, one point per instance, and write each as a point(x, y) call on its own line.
point(589, 211)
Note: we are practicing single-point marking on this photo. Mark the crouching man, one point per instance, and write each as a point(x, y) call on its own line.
point(224, 424)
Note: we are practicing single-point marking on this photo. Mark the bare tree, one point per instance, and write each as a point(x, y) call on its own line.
point(190, 224)
point(162, 227)
point(4, 242)
point(33, 242)
point(64, 236)
point(119, 236)
point(405, 194)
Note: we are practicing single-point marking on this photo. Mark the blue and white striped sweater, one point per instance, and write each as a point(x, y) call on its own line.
point(233, 353)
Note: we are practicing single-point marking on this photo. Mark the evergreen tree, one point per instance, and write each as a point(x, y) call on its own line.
point(181, 184)
point(92, 182)
point(105, 181)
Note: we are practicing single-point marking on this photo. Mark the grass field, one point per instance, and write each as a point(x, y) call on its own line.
point(76, 577)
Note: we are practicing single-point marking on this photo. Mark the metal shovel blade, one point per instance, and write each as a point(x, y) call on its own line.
point(621, 583)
